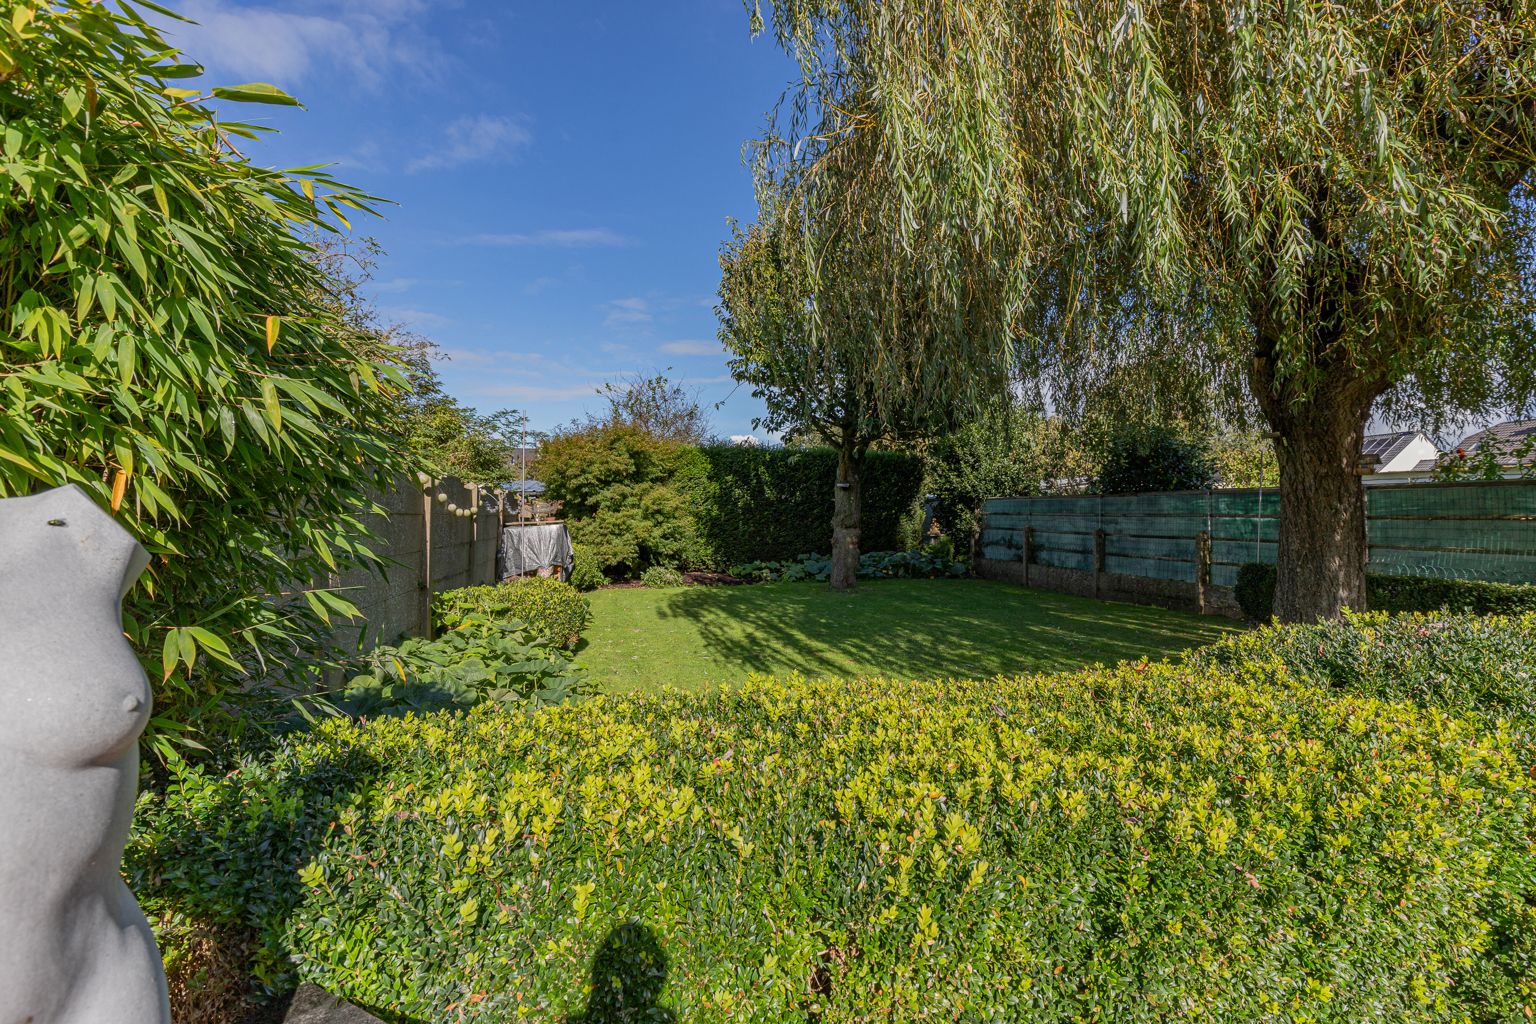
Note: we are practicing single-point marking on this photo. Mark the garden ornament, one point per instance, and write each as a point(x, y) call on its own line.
point(74, 945)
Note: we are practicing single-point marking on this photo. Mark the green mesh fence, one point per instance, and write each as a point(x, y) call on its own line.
point(1482, 531)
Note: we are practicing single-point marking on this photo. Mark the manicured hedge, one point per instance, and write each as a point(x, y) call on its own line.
point(1133, 845)
point(1255, 594)
point(1480, 667)
point(775, 504)
point(550, 608)
point(1457, 662)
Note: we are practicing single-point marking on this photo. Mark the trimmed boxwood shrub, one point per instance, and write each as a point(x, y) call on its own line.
point(775, 504)
point(1459, 662)
point(1255, 594)
point(552, 610)
point(1143, 844)
point(1480, 667)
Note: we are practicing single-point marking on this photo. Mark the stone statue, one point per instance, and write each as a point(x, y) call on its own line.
point(74, 945)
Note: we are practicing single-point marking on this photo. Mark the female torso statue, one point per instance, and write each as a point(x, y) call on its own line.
point(74, 945)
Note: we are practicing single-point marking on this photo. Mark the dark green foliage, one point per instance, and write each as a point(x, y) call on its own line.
point(1153, 459)
point(1255, 593)
point(551, 610)
point(479, 659)
point(661, 576)
point(1122, 845)
point(585, 572)
point(1000, 455)
point(873, 565)
point(616, 483)
point(1423, 594)
point(775, 504)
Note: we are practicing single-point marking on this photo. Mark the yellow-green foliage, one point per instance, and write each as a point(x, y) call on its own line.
point(1115, 845)
point(552, 610)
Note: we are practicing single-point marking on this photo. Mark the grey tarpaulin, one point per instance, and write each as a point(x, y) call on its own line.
point(535, 546)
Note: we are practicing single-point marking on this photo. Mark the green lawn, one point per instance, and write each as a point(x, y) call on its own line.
point(692, 638)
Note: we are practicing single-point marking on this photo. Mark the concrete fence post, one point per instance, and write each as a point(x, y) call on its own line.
point(1098, 559)
point(425, 584)
point(1029, 551)
point(1203, 569)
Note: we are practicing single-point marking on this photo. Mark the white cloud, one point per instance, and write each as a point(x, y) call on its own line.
point(692, 348)
point(632, 310)
point(529, 392)
point(422, 319)
point(286, 43)
point(559, 238)
point(471, 139)
point(395, 284)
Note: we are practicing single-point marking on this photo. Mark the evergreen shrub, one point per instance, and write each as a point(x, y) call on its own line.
point(1141, 844)
point(1255, 594)
point(775, 504)
point(552, 610)
point(586, 574)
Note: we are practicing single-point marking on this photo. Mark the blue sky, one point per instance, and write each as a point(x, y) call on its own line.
point(564, 173)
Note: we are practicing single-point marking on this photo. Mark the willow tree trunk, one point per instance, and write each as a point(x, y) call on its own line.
point(1321, 554)
point(847, 513)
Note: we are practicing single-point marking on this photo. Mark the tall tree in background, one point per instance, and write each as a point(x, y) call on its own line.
point(1326, 206)
point(655, 406)
point(816, 354)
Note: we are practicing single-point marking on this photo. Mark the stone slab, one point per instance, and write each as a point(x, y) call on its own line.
point(314, 1005)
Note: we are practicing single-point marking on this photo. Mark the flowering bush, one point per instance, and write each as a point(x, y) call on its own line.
point(552, 610)
point(1140, 844)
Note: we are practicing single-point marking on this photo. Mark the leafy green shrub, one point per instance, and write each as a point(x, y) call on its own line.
point(171, 346)
point(1480, 667)
point(659, 576)
point(1129, 845)
point(585, 573)
point(873, 565)
point(1140, 459)
point(1423, 594)
point(1255, 593)
point(1483, 664)
point(479, 659)
point(552, 610)
point(615, 481)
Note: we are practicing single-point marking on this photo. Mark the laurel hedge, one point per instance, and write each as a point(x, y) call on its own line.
point(775, 504)
point(1146, 843)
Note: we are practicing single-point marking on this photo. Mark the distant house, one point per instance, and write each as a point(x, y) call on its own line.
point(1513, 443)
point(1403, 456)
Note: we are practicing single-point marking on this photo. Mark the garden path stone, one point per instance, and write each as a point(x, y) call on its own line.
point(314, 1005)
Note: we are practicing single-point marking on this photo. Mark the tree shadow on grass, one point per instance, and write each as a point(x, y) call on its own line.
point(927, 629)
point(629, 971)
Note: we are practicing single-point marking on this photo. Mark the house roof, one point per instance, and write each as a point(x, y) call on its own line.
point(1503, 436)
point(1386, 447)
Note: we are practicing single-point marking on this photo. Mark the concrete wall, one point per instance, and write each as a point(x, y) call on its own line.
point(421, 543)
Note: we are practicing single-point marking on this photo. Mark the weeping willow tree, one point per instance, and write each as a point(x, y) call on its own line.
point(1322, 209)
point(827, 320)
